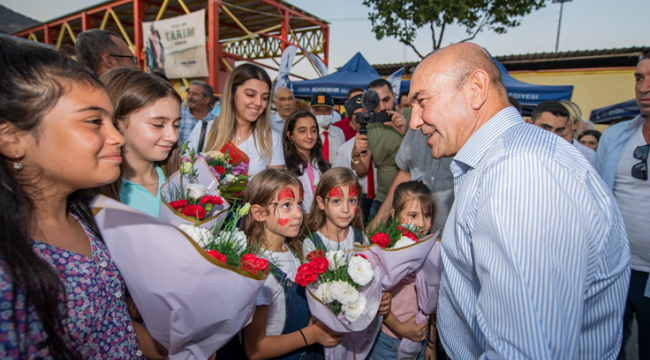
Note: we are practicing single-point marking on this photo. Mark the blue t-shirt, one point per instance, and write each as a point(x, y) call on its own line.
point(139, 198)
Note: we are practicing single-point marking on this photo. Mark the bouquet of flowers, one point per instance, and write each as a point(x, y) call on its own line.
point(231, 175)
point(190, 196)
point(400, 252)
point(175, 283)
point(344, 293)
point(427, 285)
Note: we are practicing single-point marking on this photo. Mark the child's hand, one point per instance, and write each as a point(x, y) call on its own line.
point(384, 305)
point(430, 352)
point(324, 335)
point(413, 331)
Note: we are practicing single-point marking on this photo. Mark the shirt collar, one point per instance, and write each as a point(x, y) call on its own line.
point(276, 117)
point(210, 116)
point(472, 152)
point(636, 122)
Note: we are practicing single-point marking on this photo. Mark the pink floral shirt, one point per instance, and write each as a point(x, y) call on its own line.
point(98, 323)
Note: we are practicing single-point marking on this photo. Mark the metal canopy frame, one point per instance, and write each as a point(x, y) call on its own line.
point(237, 30)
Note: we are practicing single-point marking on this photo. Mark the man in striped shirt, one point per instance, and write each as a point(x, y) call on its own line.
point(536, 259)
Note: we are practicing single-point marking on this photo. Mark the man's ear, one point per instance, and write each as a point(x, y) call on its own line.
point(12, 142)
point(107, 61)
point(259, 213)
point(479, 87)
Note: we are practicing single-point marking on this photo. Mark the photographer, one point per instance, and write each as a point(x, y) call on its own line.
point(384, 140)
point(355, 155)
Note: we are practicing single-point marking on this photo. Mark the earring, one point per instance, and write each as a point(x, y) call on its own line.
point(17, 165)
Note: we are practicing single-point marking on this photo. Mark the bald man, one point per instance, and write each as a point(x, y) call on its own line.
point(285, 104)
point(536, 257)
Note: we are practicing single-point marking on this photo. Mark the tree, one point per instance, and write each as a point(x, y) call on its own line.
point(403, 18)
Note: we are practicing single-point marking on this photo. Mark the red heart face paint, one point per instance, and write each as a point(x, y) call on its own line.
point(286, 193)
point(353, 191)
point(283, 221)
point(336, 192)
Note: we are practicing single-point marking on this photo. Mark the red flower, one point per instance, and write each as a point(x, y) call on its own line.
point(411, 236)
point(194, 211)
point(381, 239)
point(306, 274)
point(254, 264)
point(315, 254)
point(212, 199)
point(319, 265)
point(178, 204)
point(220, 170)
point(361, 255)
point(217, 255)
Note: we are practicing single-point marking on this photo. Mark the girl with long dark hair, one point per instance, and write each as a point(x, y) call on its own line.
point(61, 295)
point(303, 152)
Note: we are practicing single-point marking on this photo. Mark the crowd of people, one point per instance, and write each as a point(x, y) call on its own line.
point(544, 242)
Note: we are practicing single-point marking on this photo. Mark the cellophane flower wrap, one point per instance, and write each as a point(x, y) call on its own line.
point(427, 286)
point(192, 302)
point(400, 252)
point(344, 293)
point(190, 196)
point(232, 175)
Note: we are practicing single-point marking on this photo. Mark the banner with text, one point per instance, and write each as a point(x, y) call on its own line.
point(177, 45)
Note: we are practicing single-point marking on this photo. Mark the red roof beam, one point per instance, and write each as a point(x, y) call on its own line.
point(241, 58)
point(295, 12)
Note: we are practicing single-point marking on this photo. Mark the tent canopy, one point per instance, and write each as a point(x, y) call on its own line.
point(355, 73)
point(617, 112)
point(529, 95)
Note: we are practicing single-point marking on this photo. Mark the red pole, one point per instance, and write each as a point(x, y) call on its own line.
point(326, 45)
point(138, 19)
point(286, 16)
point(85, 21)
point(214, 48)
point(48, 34)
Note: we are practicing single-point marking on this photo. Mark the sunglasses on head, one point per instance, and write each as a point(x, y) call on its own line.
point(640, 170)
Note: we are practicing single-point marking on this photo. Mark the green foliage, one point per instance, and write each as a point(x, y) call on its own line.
point(403, 18)
point(388, 227)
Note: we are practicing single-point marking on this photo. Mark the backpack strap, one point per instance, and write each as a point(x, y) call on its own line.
point(358, 236)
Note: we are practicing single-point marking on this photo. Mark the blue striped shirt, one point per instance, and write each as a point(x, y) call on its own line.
point(536, 258)
point(187, 123)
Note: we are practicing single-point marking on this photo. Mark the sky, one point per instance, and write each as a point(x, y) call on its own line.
point(586, 25)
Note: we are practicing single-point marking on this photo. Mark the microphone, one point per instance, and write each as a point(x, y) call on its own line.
point(370, 100)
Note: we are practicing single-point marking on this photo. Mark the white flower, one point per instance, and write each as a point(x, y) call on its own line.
point(343, 292)
point(200, 235)
point(404, 241)
point(316, 182)
point(360, 270)
point(230, 178)
point(354, 310)
point(412, 228)
point(323, 293)
point(336, 259)
point(196, 191)
point(236, 237)
point(186, 167)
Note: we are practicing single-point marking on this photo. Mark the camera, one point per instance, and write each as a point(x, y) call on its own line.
point(369, 117)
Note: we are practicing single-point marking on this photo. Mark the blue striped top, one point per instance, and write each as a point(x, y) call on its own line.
point(535, 253)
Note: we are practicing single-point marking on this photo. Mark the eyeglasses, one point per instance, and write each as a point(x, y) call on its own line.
point(134, 58)
point(640, 170)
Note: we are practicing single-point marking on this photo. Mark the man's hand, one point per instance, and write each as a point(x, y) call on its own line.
point(397, 122)
point(361, 146)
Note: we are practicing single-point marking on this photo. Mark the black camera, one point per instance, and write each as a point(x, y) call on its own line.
point(369, 117)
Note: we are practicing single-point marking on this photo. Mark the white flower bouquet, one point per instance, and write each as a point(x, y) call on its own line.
point(175, 283)
point(190, 196)
point(344, 292)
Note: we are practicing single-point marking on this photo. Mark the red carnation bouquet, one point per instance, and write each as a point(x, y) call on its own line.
point(344, 292)
point(176, 275)
point(399, 249)
point(191, 195)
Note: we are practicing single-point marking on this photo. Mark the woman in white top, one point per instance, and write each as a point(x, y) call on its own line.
point(303, 152)
point(243, 122)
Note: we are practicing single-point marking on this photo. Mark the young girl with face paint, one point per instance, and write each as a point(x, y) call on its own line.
point(61, 295)
point(413, 206)
point(147, 113)
point(303, 152)
point(282, 327)
point(336, 219)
